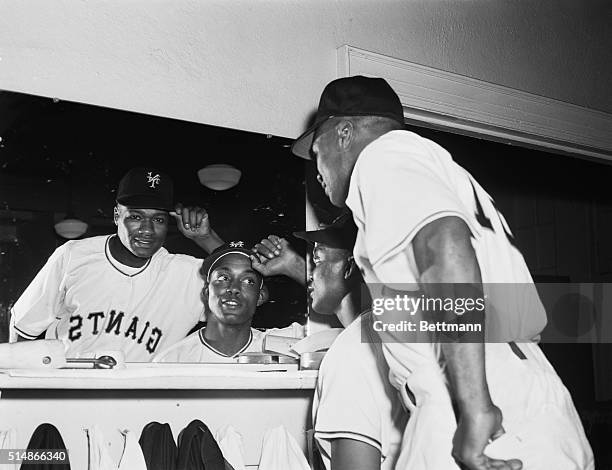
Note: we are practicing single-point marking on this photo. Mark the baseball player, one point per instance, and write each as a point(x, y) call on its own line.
point(425, 223)
point(233, 290)
point(121, 292)
point(357, 415)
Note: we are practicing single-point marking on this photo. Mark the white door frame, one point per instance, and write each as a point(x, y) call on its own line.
point(465, 105)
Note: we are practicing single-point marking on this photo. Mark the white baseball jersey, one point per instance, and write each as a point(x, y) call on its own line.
point(196, 349)
point(94, 303)
point(354, 398)
point(400, 183)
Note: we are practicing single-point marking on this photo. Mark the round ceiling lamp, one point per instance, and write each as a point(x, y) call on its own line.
point(219, 177)
point(70, 228)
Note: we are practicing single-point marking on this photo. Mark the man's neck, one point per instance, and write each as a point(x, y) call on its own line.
point(227, 339)
point(370, 137)
point(123, 255)
point(349, 308)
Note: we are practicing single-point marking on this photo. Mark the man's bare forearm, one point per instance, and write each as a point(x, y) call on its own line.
point(297, 271)
point(350, 454)
point(466, 372)
point(209, 242)
point(448, 264)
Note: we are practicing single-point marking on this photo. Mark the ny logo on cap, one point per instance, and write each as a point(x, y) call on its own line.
point(236, 244)
point(153, 179)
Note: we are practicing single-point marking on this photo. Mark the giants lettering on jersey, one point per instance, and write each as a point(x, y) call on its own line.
point(117, 324)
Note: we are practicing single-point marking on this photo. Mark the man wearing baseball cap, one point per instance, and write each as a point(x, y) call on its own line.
point(232, 291)
point(357, 416)
point(425, 224)
point(122, 292)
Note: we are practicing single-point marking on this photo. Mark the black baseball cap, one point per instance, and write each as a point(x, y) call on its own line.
point(351, 96)
point(146, 188)
point(341, 233)
point(234, 247)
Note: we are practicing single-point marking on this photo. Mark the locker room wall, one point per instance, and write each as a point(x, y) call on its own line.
point(260, 66)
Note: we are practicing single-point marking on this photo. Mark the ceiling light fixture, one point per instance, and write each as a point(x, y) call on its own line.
point(70, 228)
point(219, 177)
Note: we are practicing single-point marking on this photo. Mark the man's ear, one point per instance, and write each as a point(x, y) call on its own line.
point(345, 130)
point(351, 267)
point(204, 296)
point(264, 295)
point(116, 215)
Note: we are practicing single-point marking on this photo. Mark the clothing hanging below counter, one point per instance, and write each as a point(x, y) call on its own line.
point(158, 446)
point(132, 458)
point(198, 450)
point(280, 451)
point(8, 440)
point(230, 442)
point(46, 436)
point(98, 456)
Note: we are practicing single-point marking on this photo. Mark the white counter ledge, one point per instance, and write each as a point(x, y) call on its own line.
point(164, 377)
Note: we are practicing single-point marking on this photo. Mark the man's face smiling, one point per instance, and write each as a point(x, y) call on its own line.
point(141, 231)
point(234, 290)
point(328, 156)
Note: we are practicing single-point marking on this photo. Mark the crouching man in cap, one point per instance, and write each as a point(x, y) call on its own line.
point(429, 231)
point(357, 415)
point(233, 290)
point(121, 292)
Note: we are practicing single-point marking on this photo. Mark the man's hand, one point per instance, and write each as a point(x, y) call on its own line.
point(194, 223)
point(474, 432)
point(274, 256)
